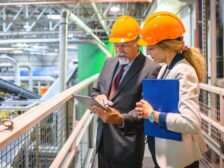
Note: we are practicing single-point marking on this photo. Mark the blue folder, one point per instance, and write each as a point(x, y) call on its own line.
point(163, 95)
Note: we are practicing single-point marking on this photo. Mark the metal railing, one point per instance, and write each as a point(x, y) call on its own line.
point(212, 114)
point(38, 134)
point(54, 135)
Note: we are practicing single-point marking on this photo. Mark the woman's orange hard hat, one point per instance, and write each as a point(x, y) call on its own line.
point(161, 26)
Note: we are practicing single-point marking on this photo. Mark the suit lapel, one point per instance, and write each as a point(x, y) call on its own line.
point(135, 68)
point(110, 74)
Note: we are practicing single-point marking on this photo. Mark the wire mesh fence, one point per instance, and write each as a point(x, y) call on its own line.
point(211, 106)
point(38, 146)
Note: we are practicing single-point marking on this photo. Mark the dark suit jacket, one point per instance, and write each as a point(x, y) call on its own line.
point(124, 144)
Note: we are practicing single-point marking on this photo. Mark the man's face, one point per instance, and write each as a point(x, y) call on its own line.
point(126, 51)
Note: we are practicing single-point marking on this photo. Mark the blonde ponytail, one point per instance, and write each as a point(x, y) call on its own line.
point(192, 55)
point(196, 59)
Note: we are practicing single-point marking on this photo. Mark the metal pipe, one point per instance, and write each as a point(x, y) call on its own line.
point(52, 40)
point(30, 75)
point(29, 41)
point(34, 33)
point(213, 42)
point(65, 15)
point(63, 49)
point(15, 65)
point(102, 48)
point(34, 78)
point(12, 88)
point(100, 17)
point(81, 24)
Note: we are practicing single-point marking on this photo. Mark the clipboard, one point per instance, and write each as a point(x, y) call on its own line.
point(163, 95)
point(88, 101)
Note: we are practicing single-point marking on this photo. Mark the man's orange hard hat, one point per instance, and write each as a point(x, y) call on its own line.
point(125, 29)
point(161, 26)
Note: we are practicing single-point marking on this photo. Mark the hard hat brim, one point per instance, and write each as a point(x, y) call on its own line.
point(142, 42)
point(120, 40)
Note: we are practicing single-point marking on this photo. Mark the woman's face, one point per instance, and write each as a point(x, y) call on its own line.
point(158, 54)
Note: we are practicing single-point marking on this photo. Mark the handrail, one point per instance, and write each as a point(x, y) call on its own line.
point(216, 90)
point(70, 141)
point(213, 89)
point(37, 114)
point(215, 145)
point(213, 123)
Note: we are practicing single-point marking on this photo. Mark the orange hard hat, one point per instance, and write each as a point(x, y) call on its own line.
point(125, 29)
point(161, 26)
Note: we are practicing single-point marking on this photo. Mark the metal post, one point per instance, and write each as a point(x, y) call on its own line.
point(213, 63)
point(74, 115)
point(38, 87)
point(37, 136)
point(92, 125)
point(213, 42)
point(67, 122)
point(30, 75)
point(17, 75)
point(15, 66)
point(222, 134)
point(30, 79)
point(63, 33)
point(63, 49)
point(221, 154)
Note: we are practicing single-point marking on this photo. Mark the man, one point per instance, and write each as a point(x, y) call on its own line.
point(120, 135)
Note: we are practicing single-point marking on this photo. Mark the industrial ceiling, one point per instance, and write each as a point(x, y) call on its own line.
point(31, 27)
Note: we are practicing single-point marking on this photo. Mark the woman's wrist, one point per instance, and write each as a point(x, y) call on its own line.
point(148, 114)
point(156, 116)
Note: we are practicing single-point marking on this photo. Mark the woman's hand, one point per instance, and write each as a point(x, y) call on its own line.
point(143, 109)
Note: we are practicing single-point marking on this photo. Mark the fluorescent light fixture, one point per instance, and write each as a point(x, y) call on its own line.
point(70, 36)
point(17, 52)
point(7, 49)
point(27, 26)
point(170, 6)
point(54, 17)
point(39, 47)
point(115, 9)
point(20, 45)
point(74, 47)
point(51, 54)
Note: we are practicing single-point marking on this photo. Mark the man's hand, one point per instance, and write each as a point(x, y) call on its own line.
point(102, 99)
point(108, 115)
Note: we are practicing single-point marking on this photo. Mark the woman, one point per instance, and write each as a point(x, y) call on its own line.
point(162, 34)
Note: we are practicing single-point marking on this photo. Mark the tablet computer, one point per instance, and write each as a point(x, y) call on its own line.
point(88, 101)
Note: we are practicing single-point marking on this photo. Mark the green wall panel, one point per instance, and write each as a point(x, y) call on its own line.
point(141, 49)
point(91, 59)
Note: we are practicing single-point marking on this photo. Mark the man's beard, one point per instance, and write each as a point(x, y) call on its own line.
point(123, 58)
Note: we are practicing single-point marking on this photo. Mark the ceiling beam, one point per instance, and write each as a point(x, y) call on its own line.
point(99, 15)
point(29, 2)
